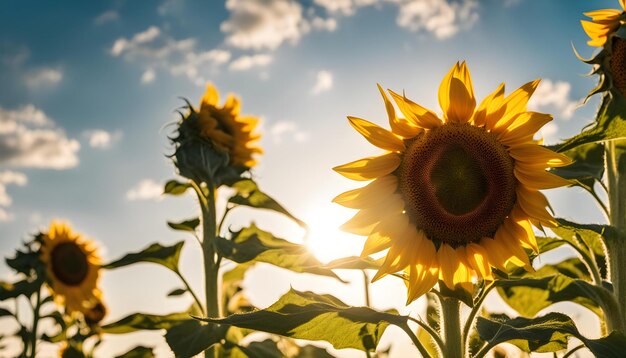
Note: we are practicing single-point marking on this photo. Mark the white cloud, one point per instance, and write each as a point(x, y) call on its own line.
point(554, 96)
point(28, 138)
point(8, 177)
point(43, 77)
point(101, 139)
point(549, 132)
point(328, 24)
point(148, 76)
point(442, 18)
point(156, 51)
point(324, 82)
point(263, 24)
point(146, 189)
point(107, 16)
point(281, 129)
point(244, 63)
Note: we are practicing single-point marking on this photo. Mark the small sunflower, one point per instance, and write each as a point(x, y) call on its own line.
point(227, 129)
point(603, 23)
point(453, 197)
point(73, 266)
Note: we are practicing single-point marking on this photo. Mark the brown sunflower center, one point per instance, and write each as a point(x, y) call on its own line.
point(69, 263)
point(458, 183)
point(618, 64)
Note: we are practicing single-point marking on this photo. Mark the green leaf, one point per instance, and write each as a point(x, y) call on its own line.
point(186, 225)
point(530, 295)
point(143, 321)
point(306, 315)
point(249, 194)
point(547, 333)
point(588, 237)
point(610, 125)
point(167, 256)
point(237, 273)
point(138, 352)
point(311, 351)
point(254, 244)
point(177, 292)
point(588, 163)
point(190, 337)
point(174, 187)
point(25, 262)
point(354, 263)
point(264, 349)
point(427, 341)
point(23, 287)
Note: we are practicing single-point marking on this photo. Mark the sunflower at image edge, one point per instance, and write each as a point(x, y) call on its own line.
point(453, 197)
point(227, 129)
point(72, 266)
point(603, 23)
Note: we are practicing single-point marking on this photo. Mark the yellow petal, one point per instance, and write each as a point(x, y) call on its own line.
point(512, 248)
point(420, 116)
point(623, 4)
point(605, 15)
point(365, 220)
point(456, 95)
point(392, 228)
point(369, 195)
point(538, 179)
point(423, 273)
point(521, 228)
point(376, 135)
point(478, 259)
point(523, 127)
point(448, 264)
point(495, 252)
point(491, 107)
point(534, 204)
point(211, 96)
point(399, 126)
point(515, 103)
point(369, 168)
point(536, 155)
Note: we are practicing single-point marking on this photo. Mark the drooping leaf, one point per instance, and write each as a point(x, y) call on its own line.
point(306, 315)
point(249, 194)
point(311, 351)
point(589, 238)
point(354, 263)
point(174, 187)
point(427, 341)
point(167, 256)
point(144, 321)
point(186, 225)
point(588, 163)
point(237, 273)
point(254, 244)
point(264, 349)
point(138, 352)
point(610, 125)
point(548, 333)
point(529, 295)
point(190, 337)
point(23, 287)
point(25, 262)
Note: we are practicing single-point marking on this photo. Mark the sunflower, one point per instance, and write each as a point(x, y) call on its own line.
point(603, 23)
point(227, 129)
point(453, 197)
point(72, 266)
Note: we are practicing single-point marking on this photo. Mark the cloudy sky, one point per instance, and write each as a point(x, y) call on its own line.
point(87, 92)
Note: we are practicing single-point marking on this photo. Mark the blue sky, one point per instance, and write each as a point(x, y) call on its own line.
point(87, 91)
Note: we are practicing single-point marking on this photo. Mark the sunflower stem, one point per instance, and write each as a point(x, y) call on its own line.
point(211, 266)
point(33, 349)
point(472, 315)
point(616, 246)
point(366, 288)
point(451, 322)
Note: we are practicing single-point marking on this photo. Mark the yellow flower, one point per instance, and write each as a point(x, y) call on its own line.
point(227, 129)
point(453, 197)
point(603, 23)
point(73, 266)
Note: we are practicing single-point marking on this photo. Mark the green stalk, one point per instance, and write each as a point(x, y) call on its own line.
point(33, 349)
point(211, 266)
point(451, 325)
point(616, 180)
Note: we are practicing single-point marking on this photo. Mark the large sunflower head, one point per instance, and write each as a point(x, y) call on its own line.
point(216, 143)
point(72, 266)
point(453, 196)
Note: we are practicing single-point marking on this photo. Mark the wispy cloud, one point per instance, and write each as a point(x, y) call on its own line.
point(323, 82)
point(28, 138)
point(281, 129)
point(43, 77)
point(146, 189)
point(101, 139)
point(105, 17)
point(442, 18)
point(554, 96)
point(8, 177)
point(244, 63)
